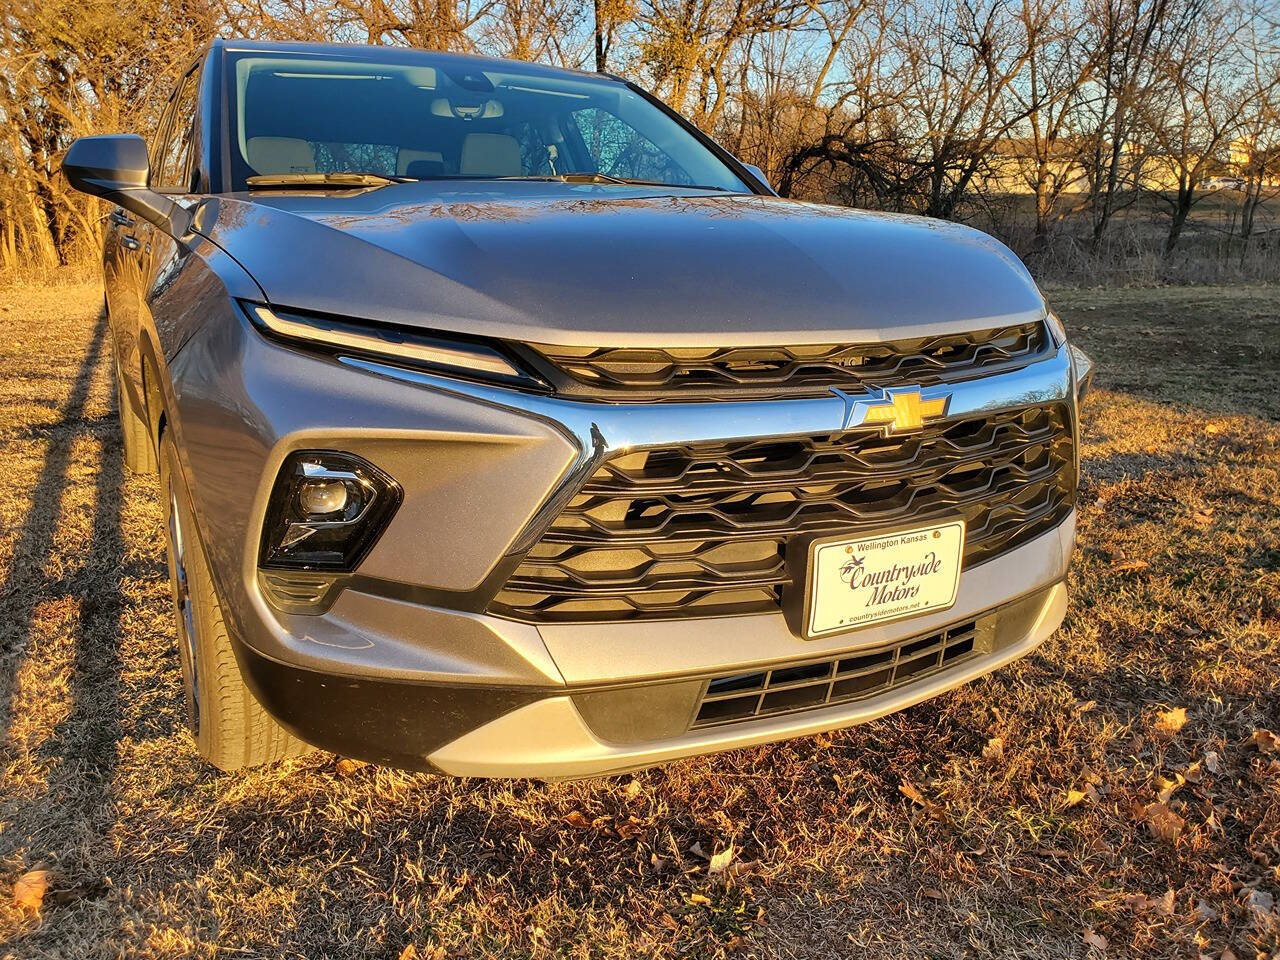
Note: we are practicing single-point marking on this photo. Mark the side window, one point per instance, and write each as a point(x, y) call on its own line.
point(175, 154)
point(619, 150)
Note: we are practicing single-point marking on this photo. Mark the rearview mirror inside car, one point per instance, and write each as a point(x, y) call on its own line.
point(115, 167)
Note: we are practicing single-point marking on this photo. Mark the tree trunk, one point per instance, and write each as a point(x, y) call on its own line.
point(1043, 205)
point(599, 38)
point(1182, 207)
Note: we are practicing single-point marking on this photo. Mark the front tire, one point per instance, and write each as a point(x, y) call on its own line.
point(230, 727)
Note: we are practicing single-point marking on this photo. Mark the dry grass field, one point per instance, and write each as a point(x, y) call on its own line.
point(1117, 793)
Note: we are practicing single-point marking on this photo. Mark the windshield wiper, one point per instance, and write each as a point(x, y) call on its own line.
point(344, 179)
point(593, 177)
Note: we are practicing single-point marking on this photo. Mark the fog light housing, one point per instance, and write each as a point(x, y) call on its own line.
point(320, 499)
point(327, 509)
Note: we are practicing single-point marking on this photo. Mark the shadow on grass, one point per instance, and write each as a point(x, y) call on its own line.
point(79, 756)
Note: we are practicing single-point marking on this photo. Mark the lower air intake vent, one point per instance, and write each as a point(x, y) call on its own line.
point(786, 689)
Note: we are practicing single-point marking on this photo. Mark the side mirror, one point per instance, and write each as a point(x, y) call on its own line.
point(759, 175)
point(116, 168)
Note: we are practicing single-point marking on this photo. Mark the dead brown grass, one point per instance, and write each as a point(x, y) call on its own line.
point(1056, 805)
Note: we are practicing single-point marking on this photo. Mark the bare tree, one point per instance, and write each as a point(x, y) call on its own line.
point(72, 68)
point(1195, 107)
point(1060, 67)
point(1125, 34)
point(687, 47)
point(1259, 141)
point(958, 58)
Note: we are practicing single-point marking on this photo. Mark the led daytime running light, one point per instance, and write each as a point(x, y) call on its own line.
point(334, 335)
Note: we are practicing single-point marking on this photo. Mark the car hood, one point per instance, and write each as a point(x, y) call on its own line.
point(606, 266)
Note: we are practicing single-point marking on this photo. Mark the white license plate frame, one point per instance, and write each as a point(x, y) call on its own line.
point(933, 558)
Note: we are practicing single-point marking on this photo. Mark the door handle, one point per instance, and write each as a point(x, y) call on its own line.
point(120, 218)
point(130, 243)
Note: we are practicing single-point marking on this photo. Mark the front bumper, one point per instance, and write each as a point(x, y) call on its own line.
point(406, 667)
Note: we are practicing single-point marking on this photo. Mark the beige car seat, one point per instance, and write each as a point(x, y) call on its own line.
point(280, 155)
point(490, 155)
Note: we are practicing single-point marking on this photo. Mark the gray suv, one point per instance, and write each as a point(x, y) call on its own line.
point(506, 425)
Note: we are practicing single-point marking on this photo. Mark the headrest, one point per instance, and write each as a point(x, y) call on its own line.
point(490, 155)
point(424, 169)
point(405, 156)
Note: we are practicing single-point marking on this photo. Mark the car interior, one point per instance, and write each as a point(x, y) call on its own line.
point(295, 116)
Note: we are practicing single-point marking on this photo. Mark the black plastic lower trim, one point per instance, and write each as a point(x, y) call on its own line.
point(388, 722)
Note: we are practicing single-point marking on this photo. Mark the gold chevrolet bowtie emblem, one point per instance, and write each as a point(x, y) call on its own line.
point(904, 410)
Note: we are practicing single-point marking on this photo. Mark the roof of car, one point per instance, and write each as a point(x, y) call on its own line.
point(365, 53)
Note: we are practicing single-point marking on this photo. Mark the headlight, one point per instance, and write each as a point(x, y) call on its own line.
point(1084, 367)
point(326, 510)
point(455, 357)
point(1081, 364)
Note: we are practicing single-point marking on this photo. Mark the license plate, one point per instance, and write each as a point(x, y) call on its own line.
point(865, 580)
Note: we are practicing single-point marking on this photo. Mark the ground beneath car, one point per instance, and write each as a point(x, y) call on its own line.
point(1118, 791)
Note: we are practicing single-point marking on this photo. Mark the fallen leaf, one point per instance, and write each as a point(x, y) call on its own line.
point(1266, 741)
point(410, 952)
point(1169, 787)
point(908, 790)
point(1189, 631)
point(1137, 902)
point(1074, 797)
point(1212, 762)
point(1120, 565)
point(1163, 822)
point(1227, 954)
point(740, 868)
point(699, 900)
point(576, 818)
point(1165, 905)
point(994, 750)
point(1262, 905)
point(632, 790)
point(932, 893)
point(1095, 940)
point(631, 827)
point(1171, 721)
point(1193, 773)
point(1212, 428)
point(1205, 912)
point(29, 889)
point(345, 768)
point(1203, 518)
point(720, 861)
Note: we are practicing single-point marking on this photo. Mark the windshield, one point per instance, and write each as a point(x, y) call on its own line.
point(437, 117)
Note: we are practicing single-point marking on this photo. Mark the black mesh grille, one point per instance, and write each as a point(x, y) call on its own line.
point(703, 530)
point(791, 688)
point(650, 373)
